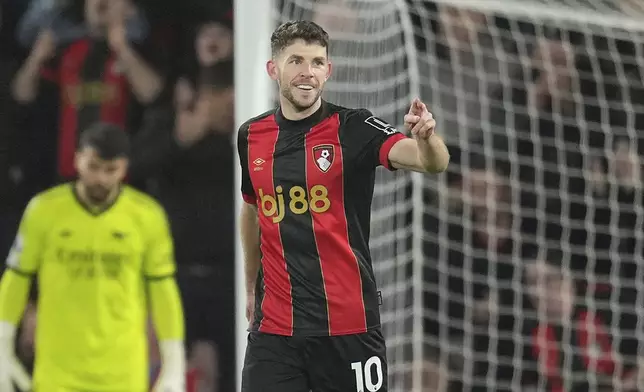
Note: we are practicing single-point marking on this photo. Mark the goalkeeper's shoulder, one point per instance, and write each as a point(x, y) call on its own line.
point(142, 204)
point(50, 201)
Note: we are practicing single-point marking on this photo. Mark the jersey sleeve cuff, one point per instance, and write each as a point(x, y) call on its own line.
point(249, 199)
point(386, 147)
point(21, 272)
point(152, 278)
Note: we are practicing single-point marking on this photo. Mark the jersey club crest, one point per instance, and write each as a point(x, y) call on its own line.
point(323, 156)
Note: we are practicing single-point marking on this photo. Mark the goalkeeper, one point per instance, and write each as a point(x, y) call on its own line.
point(102, 252)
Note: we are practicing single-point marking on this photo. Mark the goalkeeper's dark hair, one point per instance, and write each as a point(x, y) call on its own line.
point(108, 140)
point(289, 32)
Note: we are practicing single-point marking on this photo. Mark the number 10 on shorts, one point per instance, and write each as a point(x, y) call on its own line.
point(365, 375)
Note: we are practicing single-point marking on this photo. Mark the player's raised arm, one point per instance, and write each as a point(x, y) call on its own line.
point(22, 264)
point(425, 151)
point(165, 304)
point(248, 224)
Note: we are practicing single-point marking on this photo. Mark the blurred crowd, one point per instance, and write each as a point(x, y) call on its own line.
point(534, 240)
point(163, 71)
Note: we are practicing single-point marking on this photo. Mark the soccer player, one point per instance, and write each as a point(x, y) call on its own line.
point(308, 172)
point(102, 252)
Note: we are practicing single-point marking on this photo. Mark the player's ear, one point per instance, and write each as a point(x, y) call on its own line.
point(77, 160)
point(329, 69)
point(271, 69)
point(124, 167)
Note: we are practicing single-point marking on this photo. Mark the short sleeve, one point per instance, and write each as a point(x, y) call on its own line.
point(158, 261)
point(372, 137)
point(25, 255)
point(247, 190)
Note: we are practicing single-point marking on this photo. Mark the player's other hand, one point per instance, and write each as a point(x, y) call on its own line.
point(419, 121)
point(13, 373)
point(173, 367)
point(11, 370)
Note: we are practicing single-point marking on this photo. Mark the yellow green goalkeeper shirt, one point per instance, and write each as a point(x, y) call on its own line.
point(92, 267)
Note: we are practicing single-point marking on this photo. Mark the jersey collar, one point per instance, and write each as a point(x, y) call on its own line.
point(95, 211)
point(304, 123)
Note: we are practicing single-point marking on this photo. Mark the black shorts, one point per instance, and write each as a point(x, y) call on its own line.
point(349, 363)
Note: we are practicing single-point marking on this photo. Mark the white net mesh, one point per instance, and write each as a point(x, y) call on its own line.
point(536, 229)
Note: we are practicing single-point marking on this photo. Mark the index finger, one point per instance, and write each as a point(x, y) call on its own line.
point(412, 106)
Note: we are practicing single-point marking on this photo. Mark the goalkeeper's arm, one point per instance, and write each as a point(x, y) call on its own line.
point(14, 294)
point(167, 316)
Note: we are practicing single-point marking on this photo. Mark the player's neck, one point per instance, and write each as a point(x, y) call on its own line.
point(290, 113)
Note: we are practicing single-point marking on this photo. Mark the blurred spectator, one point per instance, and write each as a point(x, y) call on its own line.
point(100, 77)
point(475, 280)
point(435, 376)
point(335, 16)
point(462, 46)
point(212, 43)
point(58, 16)
point(606, 192)
point(189, 154)
point(575, 346)
point(14, 150)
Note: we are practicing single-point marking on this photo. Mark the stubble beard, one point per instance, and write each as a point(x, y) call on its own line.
point(97, 195)
point(298, 106)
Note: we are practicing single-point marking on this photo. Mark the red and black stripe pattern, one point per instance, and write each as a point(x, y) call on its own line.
point(587, 355)
point(92, 88)
point(312, 181)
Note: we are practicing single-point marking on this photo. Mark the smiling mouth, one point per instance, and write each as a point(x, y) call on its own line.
point(304, 87)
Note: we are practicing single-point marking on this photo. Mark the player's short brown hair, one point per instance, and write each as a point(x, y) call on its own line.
point(287, 33)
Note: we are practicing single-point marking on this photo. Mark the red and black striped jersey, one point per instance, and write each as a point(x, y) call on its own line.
point(591, 354)
point(92, 86)
point(312, 181)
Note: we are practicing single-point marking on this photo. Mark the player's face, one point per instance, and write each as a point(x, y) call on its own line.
point(100, 178)
point(550, 292)
point(301, 70)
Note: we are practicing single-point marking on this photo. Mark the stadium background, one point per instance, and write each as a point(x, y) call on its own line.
point(539, 101)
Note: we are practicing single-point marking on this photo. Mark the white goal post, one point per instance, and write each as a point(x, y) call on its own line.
point(253, 95)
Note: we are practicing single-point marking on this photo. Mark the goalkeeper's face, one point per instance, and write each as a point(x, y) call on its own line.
point(100, 178)
point(301, 70)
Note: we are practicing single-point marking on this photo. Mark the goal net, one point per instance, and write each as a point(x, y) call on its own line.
point(519, 268)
